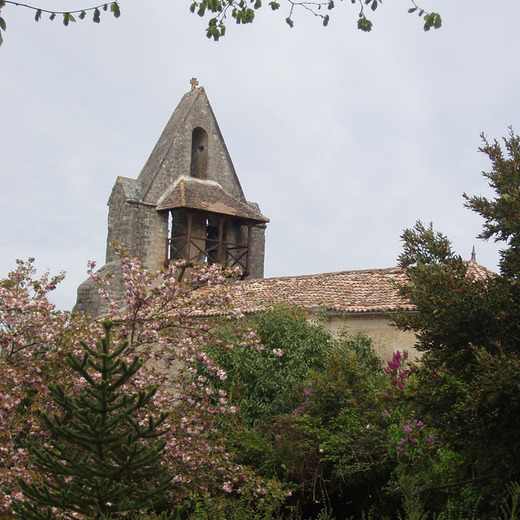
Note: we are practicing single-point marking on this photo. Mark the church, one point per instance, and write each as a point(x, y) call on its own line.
point(187, 203)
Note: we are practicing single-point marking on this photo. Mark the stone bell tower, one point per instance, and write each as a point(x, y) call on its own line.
point(187, 203)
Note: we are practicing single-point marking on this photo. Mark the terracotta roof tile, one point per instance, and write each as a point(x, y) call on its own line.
point(365, 291)
point(477, 271)
point(351, 292)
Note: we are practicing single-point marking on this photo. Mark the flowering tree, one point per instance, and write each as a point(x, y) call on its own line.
point(32, 338)
point(166, 324)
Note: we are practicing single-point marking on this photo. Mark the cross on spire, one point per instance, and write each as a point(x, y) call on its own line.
point(194, 84)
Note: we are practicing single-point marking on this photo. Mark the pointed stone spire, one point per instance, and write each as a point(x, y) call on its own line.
point(192, 131)
point(473, 255)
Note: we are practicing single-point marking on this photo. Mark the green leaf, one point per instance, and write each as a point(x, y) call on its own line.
point(374, 5)
point(1, 38)
point(38, 15)
point(289, 22)
point(428, 21)
point(364, 24)
point(115, 9)
point(97, 16)
point(52, 16)
point(326, 20)
point(82, 15)
point(67, 18)
point(105, 7)
point(258, 4)
point(274, 5)
point(3, 25)
point(331, 5)
point(412, 9)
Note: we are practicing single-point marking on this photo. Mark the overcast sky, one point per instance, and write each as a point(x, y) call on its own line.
point(343, 138)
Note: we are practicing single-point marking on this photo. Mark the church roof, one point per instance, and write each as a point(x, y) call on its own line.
point(363, 291)
point(366, 291)
point(207, 196)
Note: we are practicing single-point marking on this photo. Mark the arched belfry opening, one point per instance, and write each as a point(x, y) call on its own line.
point(199, 153)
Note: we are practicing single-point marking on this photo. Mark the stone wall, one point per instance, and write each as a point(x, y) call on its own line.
point(258, 252)
point(386, 339)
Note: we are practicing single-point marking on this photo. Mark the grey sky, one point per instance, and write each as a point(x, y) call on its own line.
point(343, 138)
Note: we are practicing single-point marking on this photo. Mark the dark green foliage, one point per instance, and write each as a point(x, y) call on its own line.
point(469, 330)
point(312, 416)
point(243, 507)
point(455, 310)
point(502, 213)
point(305, 347)
point(262, 383)
point(103, 453)
point(333, 444)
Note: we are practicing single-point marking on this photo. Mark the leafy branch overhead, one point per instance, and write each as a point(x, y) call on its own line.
point(242, 11)
point(66, 16)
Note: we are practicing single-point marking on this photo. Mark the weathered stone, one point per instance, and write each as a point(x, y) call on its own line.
point(186, 203)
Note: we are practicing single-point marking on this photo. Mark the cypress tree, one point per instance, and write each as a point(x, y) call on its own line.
point(99, 460)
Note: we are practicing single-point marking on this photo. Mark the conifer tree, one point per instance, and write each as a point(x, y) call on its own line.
point(468, 327)
point(103, 454)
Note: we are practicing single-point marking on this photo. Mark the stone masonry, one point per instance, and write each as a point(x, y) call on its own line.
point(189, 177)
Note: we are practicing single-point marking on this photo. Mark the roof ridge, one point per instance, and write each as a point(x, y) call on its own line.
point(332, 273)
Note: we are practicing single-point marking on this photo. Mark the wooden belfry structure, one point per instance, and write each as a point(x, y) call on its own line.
point(187, 203)
point(207, 225)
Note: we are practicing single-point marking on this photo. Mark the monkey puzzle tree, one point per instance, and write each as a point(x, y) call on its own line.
point(104, 453)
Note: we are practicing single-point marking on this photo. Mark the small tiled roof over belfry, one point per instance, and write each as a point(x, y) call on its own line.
point(207, 195)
